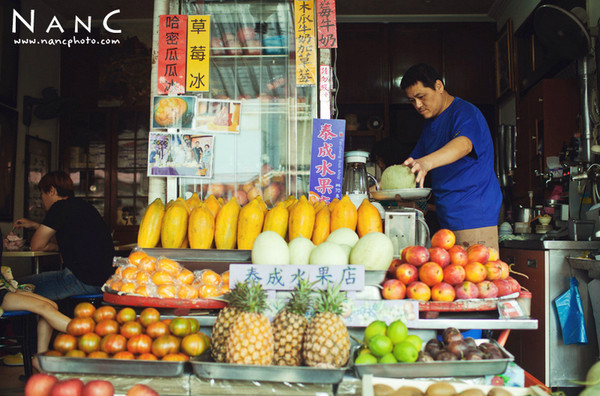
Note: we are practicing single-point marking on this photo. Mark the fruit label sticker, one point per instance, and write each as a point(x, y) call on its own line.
point(286, 277)
point(510, 309)
point(327, 160)
point(171, 54)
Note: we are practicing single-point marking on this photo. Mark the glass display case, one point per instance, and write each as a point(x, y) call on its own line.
point(252, 60)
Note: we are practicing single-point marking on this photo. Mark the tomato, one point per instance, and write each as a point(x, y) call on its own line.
point(89, 342)
point(194, 344)
point(164, 345)
point(179, 327)
point(194, 325)
point(124, 355)
point(176, 357)
point(84, 310)
point(113, 343)
point(157, 329)
point(147, 356)
point(107, 326)
point(80, 326)
point(141, 343)
point(166, 321)
point(65, 343)
point(98, 355)
point(131, 328)
point(125, 315)
point(104, 312)
point(148, 316)
point(75, 353)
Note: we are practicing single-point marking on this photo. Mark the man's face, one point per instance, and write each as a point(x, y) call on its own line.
point(428, 102)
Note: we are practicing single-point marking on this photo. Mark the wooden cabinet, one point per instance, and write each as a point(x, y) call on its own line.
point(546, 119)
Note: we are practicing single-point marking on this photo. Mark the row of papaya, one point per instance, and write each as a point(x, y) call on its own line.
point(212, 223)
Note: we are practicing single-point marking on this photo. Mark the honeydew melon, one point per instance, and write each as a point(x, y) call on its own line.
point(328, 253)
point(343, 236)
point(375, 251)
point(300, 249)
point(271, 249)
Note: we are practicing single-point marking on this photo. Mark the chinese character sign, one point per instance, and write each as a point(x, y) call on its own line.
point(171, 54)
point(326, 24)
point(198, 61)
point(327, 160)
point(306, 49)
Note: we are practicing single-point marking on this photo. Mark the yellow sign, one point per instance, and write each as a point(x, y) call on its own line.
point(306, 49)
point(198, 54)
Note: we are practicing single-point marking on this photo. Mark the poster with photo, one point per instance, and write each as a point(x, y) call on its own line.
point(215, 116)
point(173, 111)
point(182, 155)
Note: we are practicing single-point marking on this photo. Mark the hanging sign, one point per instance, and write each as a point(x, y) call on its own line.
point(326, 24)
point(306, 49)
point(198, 49)
point(327, 160)
point(325, 91)
point(171, 54)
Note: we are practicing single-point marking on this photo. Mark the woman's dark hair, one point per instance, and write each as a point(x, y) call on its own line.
point(423, 72)
point(60, 181)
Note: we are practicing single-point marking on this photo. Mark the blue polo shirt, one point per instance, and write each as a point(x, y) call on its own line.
point(466, 192)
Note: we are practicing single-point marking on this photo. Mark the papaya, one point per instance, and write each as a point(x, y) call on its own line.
point(262, 204)
point(201, 227)
point(276, 219)
point(332, 204)
point(322, 225)
point(213, 205)
point(302, 219)
point(226, 225)
point(175, 224)
point(344, 214)
point(151, 224)
point(369, 219)
point(250, 224)
point(193, 201)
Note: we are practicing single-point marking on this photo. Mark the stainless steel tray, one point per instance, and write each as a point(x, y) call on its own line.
point(307, 375)
point(146, 368)
point(438, 369)
point(227, 255)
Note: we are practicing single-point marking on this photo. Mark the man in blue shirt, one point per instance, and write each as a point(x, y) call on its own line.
point(456, 148)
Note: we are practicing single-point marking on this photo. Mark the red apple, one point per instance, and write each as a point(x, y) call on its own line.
point(504, 287)
point(418, 291)
point(241, 197)
point(416, 255)
point(478, 253)
point(439, 255)
point(393, 289)
point(514, 284)
point(454, 274)
point(505, 270)
point(443, 292)
point(407, 273)
point(494, 254)
point(493, 270)
point(466, 290)
point(391, 273)
point(487, 289)
point(458, 255)
point(98, 388)
point(431, 273)
point(40, 384)
point(141, 390)
point(475, 272)
point(68, 387)
point(443, 238)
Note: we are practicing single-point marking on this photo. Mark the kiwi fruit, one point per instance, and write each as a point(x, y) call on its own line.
point(407, 391)
point(472, 392)
point(440, 389)
point(382, 390)
point(498, 392)
point(424, 357)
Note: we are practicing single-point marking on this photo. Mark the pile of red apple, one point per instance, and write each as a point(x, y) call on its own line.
point(42, 384)
point(447, 272)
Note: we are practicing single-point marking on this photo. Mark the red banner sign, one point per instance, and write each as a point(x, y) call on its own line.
point(326, 24)
point(171, 54)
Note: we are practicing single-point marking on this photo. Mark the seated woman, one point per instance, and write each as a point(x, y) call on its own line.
point(12, 298)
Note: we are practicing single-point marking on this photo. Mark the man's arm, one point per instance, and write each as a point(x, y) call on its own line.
point(44, 239)
point(451, 152)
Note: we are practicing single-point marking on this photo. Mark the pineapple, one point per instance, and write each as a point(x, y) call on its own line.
point(250, 339)
point(225, 319)
point(289, 326)
point(326, 340)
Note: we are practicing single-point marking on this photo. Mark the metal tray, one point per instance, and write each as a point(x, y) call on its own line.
point(457, 368)
point(226, 255)
point(225, 371)
point(407, 194)
point(145, 368)
point(139, 301)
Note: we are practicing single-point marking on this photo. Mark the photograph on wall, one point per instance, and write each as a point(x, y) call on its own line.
point(217, 115)
point(182, 155)
point(173, 111)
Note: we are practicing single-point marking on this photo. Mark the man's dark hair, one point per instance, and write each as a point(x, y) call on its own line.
point(60, 180)
point(423, 72)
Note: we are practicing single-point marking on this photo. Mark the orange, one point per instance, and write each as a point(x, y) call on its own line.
point(185, 276)
point(119, 270)
point(168, 265)
point(208, 291)
point(147, 263)
point(187, 292)
point(128, 287)
point(129, 272)
point(225, 288)
point(166, 291)
point(225, 277)
point(143, 291)
point(135, 257)
point(116, 284)
point(142, 277)
point(162, 278)
point(210, 277)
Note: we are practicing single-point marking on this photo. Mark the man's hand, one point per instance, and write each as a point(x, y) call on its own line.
point(419, 168)
point(25, 223)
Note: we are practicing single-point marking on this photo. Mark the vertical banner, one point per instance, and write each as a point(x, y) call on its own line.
point(198, 49)
point(327, 160)
point(325, 91)
point(326, 24)
point(171, 54)
point(306, 48)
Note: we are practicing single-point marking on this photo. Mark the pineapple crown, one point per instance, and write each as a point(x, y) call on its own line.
point(248, 296)
point(301, 299)
point(331, 299)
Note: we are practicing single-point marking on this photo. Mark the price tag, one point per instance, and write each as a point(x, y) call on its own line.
point(510, 309)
